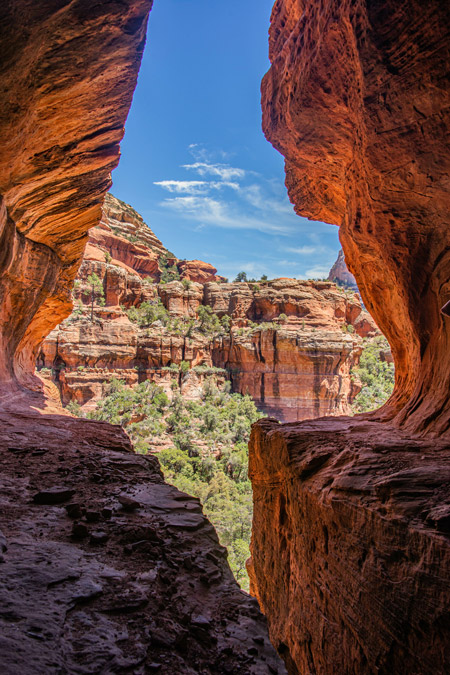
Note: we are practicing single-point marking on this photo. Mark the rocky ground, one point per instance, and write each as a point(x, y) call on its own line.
point(106, 568)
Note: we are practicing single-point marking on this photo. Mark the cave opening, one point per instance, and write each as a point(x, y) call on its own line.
point(352, 569)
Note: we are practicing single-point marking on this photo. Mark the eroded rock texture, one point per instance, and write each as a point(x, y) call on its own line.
point(357, 100)
point(104, 567)
point(58, 61)
point(350, 544)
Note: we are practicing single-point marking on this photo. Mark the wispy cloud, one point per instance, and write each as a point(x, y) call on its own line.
point(223, 171)
point(195, 186)
point(318, 271)
point(214, 212)
point(303, 250)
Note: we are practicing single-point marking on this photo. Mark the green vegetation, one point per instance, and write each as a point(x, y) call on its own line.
point(241, 276)
point(207, 322)
point(96, 292)
point(377, 376)
point(206, 454)
point(168, 272)
point(148, 312)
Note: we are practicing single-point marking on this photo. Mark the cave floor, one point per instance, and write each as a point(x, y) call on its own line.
point(106, 568)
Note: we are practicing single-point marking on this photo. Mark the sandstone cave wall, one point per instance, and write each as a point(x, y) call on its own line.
point(59, 60)
point(357, 101)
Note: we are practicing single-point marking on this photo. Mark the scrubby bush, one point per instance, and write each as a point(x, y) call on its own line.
point(376, 376)
point(208, 455)
point(149, 312)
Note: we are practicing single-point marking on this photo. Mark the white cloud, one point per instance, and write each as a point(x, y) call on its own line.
point(303, 250)
point(190, 186)
point(208, 211)
point(261, 199)
point(195, 186)
point(224, 171)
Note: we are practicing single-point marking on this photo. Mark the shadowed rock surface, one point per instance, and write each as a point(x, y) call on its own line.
point(107, 569)
point(350, 544)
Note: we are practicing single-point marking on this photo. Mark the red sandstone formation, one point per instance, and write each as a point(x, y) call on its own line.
point(350, 543)
point(198, 271)
point(104, 567)
point(350, 546)
point(297, 369)
point(340, 273)
point(57, 154)
point(356, 101)
point(123, 235)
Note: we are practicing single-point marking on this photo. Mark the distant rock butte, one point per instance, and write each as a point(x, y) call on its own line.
point(297, 369)
point(340, 273)
point(123, 235)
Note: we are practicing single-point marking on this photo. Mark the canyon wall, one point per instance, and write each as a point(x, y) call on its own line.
point(289, 344)
point(350, 540)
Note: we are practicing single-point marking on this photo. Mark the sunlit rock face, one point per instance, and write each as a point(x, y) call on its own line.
point(65, 101)
point(350, 544)
point(104, 567)
point(357, 101)
point(295, 368)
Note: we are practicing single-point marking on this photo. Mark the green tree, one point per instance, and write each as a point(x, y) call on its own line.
point(96, 291)
point(241, 276)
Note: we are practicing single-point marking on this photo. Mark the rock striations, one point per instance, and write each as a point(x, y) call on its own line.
point(57, 155)
point(350, 543)
point(357, 101)
point(290, 344)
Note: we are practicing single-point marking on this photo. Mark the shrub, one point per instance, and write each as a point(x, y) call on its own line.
point(377, 377)
point(149, 312)
point(206, 451)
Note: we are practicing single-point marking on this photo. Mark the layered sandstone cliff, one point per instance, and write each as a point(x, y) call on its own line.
point(289, 344)
point(350, 543)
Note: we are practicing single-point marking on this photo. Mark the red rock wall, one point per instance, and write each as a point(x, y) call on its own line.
point(58, 151)
point(297, 369)
point(357, 101)
point(350, 547)
point(350, 540)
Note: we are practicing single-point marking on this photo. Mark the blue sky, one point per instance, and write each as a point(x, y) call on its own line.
point(195, 162)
